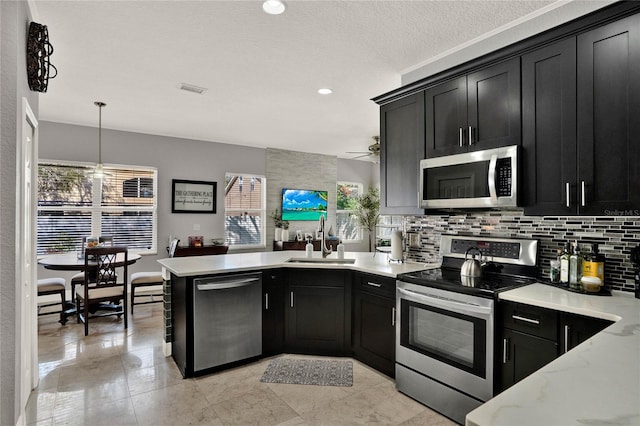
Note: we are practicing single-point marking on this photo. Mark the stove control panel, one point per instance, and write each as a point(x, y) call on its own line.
point(505, 250)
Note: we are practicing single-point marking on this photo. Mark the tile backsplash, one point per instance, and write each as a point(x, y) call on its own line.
point(615, 236)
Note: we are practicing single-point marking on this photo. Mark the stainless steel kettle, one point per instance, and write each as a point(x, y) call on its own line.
point(471, 267)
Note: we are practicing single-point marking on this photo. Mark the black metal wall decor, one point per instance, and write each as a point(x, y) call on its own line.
point(38, 51)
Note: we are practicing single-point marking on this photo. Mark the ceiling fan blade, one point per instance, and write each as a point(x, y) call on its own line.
point(360, 156)
point(358, 152)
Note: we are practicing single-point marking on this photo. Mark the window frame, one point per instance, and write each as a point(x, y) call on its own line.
point(262, 211)
point(360, 238)
point(97, 209)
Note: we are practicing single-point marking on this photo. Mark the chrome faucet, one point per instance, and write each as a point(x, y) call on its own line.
point(323, 241)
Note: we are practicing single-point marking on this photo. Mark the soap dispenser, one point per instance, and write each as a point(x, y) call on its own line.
point(340, 250)
point(309, 248)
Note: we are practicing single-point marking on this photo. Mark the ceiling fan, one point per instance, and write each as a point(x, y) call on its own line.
point(373, 150)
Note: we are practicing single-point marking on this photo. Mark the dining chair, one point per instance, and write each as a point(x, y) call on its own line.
point(101, 289)
point(78, 279)
point(148, 279)
point(48, 286)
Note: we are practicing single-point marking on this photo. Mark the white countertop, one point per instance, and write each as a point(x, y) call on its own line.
point(364, 262)
point(596, 383)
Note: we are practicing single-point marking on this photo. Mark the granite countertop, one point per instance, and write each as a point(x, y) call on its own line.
point(236, 262)
point(596, 383)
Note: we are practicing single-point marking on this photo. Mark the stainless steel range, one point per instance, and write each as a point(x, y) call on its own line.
point(445, 335)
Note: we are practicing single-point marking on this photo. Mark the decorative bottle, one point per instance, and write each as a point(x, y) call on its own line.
point(575, 267)
point(564, 265)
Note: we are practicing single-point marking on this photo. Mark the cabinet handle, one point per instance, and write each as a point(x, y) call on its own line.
point(505, 348)
point(292, 299)
point(529, 320)
point(568, 194)
point(583, 194)
point(460, 137)
point(266, 301)
point(374, 284)
point(470, 135)
point(393, 316)
point(566, 339)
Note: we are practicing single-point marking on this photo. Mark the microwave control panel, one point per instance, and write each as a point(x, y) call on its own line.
point(503, 177)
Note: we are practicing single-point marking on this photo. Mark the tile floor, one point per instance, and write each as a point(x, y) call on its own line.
point(118, 377)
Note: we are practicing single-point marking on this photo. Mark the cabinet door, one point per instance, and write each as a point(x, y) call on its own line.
point(446, 114)
point(494, 106)
point(575, 329)
point(315, 319)
point(402, 146)
point(374, 331)
point(522, 354)
point(549, 129)
point(273, 304)
point(608, 124)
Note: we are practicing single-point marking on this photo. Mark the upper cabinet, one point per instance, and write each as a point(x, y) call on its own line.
point(401, 149)
point(578, 138)
point(478, 111)
point(608, 181)
point(549, 128)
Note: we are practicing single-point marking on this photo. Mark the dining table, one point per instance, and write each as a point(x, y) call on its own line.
point(72, 262)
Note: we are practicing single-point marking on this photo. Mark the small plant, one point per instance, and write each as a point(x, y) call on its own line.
point(368, 211)
point(277, 219)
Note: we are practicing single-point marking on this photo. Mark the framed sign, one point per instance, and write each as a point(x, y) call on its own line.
point(193, 196)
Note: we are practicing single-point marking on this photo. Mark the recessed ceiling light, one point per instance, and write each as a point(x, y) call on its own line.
point(273, 7)
point(325, 91)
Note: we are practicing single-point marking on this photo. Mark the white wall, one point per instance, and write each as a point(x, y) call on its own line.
point(14, 21)
point(551, 16)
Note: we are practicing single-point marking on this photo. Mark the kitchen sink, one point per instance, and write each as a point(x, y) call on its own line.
point(323, 261)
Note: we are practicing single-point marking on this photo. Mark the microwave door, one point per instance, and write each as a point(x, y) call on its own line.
point(458, 185)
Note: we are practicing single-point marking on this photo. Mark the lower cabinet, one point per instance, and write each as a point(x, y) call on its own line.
point(575, 329)
point(374, 322)
point(531, 337)
point(273, 305)
point(317, 313)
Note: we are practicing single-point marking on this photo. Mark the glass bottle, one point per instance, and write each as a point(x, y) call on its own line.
point(575, 267)
point(564, 265)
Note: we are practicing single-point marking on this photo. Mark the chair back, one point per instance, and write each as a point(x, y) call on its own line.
point(105, 240)
point(100, 265)
point(172, 247)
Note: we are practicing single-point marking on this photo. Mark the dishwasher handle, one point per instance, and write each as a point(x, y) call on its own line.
point(221, 285)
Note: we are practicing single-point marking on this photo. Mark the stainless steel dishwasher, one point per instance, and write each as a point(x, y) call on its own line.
point(227, 316)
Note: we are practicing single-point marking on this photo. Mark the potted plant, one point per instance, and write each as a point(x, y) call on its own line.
point(368, 211)
point(278, 222)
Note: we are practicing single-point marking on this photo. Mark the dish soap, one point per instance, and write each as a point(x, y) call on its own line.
point(309, 249)
point(340, 250)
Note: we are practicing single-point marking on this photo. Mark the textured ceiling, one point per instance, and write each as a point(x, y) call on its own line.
point(262, 72)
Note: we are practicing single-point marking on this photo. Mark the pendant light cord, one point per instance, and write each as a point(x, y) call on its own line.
point(100, 105)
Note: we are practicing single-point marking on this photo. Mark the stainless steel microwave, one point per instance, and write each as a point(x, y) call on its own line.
point(476, 179)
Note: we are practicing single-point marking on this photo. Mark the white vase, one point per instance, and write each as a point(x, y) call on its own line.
point(285, 235)
point(278, 236)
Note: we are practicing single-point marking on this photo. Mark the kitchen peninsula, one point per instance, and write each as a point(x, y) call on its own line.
point(598, 381)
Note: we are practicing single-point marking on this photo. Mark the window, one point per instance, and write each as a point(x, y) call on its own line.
point(245, 207)
point(72, 205)
point(346, 223)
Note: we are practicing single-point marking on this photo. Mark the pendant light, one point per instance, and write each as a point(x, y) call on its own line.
point(98, 172)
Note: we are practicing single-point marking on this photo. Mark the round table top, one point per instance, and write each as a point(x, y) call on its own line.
point(70, 261)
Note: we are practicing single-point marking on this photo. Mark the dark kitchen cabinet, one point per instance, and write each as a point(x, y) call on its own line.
point(478, 111)
point(374, 320)
point(575, 329)
point(522, 354)
point(402, 146)
point(273, 305)
point(608, 124)
point(549, 128)
point(528, 340)
point(580, 153)
point(317, 314)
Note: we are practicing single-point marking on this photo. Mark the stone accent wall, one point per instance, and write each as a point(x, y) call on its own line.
point(615, 236)
point(299, 170)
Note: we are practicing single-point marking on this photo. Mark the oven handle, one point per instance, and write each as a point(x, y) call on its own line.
point(447, 304)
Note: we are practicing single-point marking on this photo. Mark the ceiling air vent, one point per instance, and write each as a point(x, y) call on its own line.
point(191, 88)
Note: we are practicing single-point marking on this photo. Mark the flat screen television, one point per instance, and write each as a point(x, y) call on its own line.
point(303, 204)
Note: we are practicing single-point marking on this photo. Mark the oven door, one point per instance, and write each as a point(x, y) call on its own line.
point(447, 337)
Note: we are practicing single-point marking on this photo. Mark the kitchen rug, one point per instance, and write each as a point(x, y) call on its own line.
point(309, 372)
